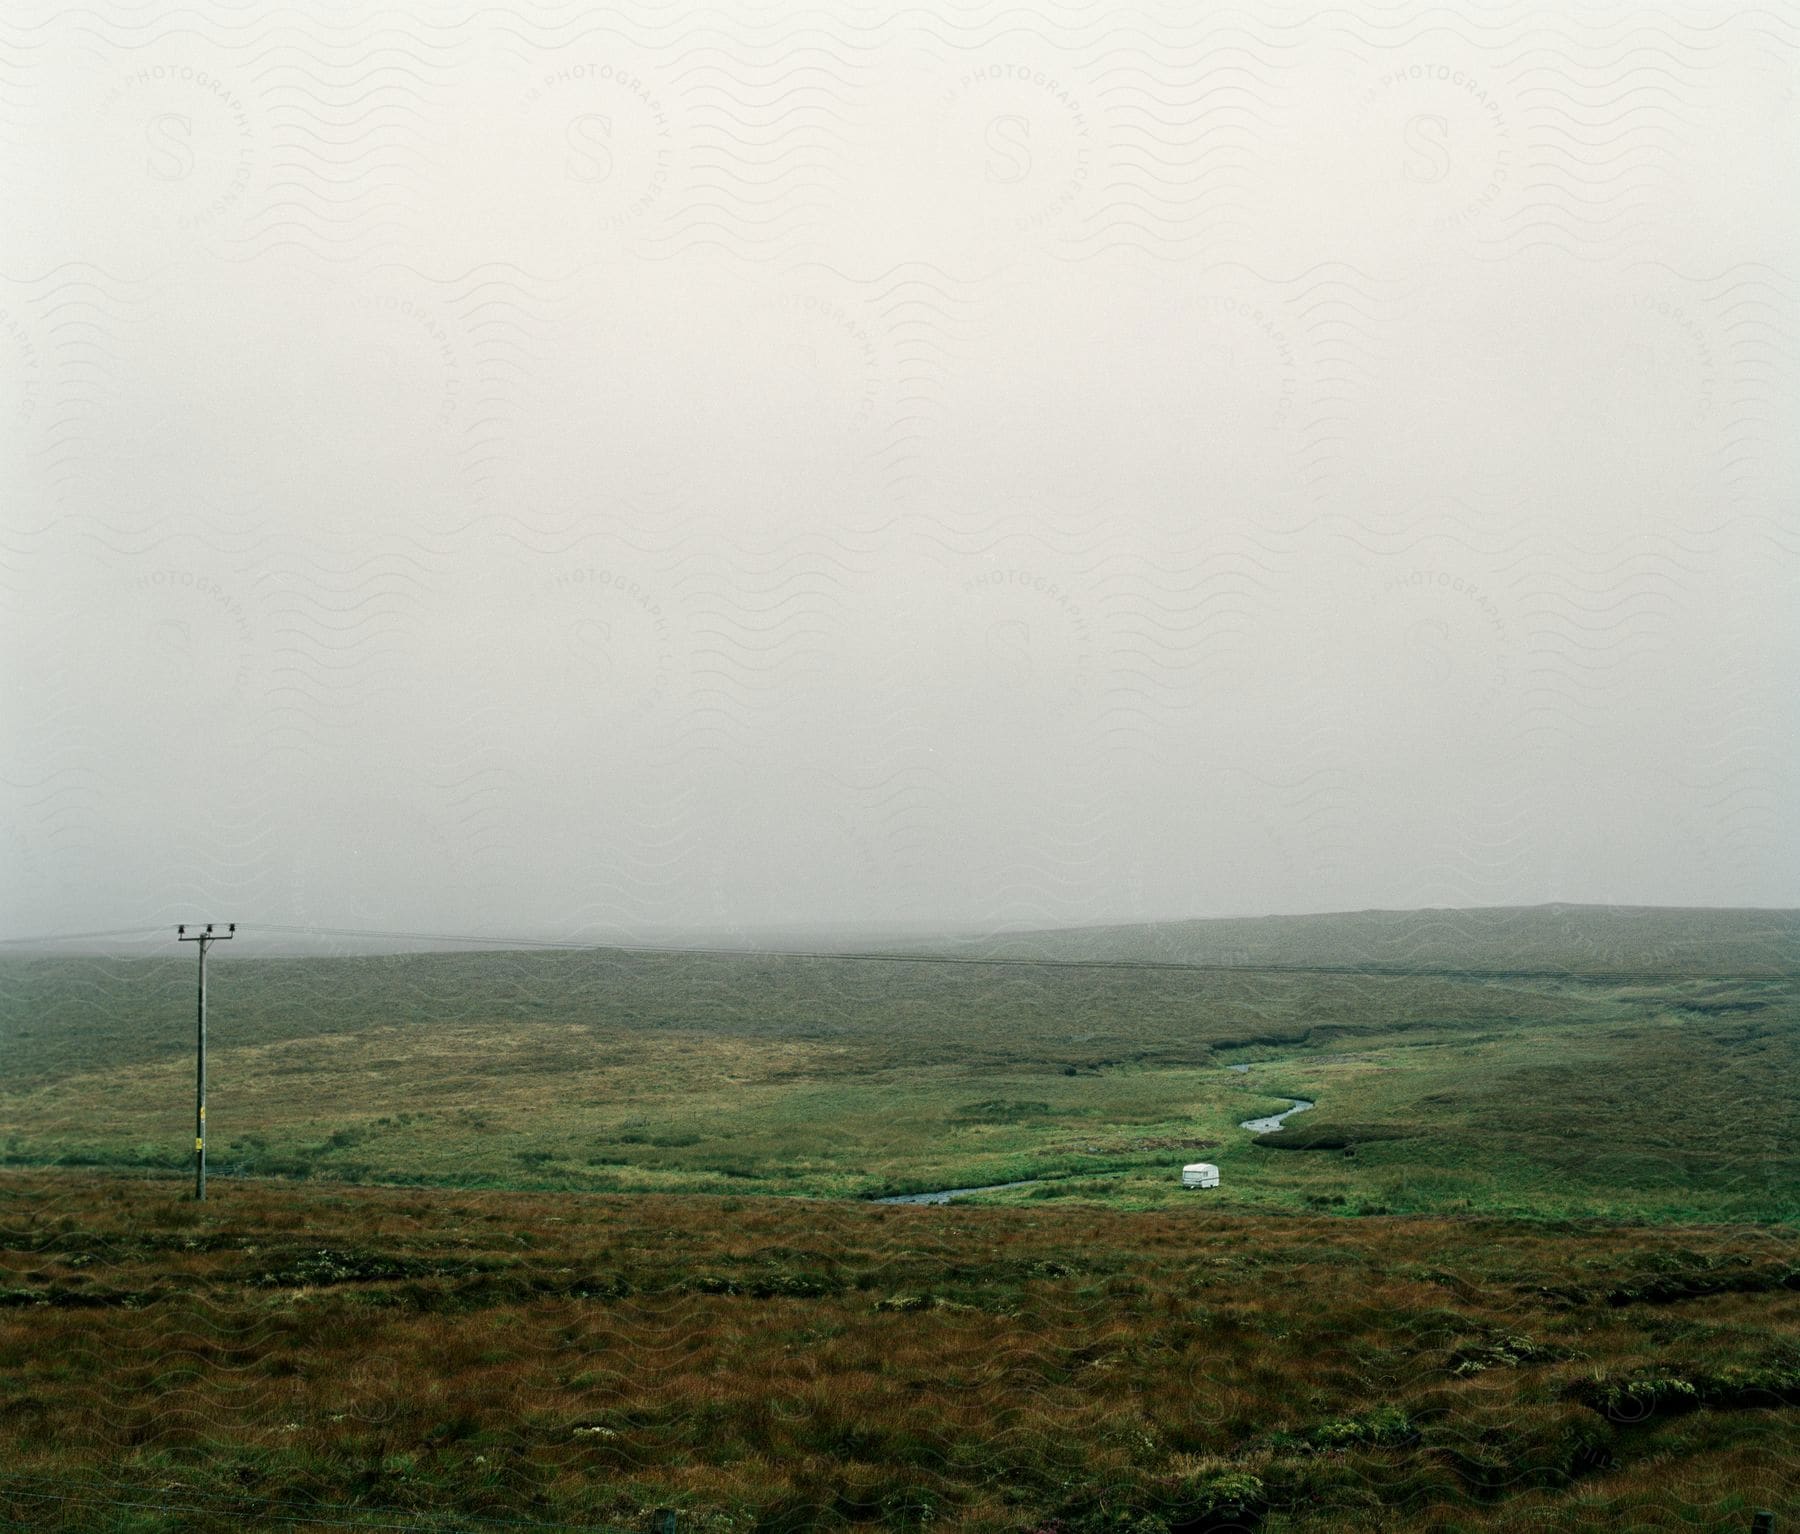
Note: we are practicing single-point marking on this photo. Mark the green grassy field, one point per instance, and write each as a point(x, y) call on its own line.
point(1554, 1093)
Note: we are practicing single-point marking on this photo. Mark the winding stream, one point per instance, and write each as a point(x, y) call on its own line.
point(1269, 1125)
point(944, 1195)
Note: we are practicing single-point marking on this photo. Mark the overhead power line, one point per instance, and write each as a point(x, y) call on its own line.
point(75, 937)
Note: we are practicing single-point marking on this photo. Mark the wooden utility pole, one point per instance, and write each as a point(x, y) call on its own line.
point(203, 939)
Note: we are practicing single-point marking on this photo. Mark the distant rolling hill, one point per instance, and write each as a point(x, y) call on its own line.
point(1573, 939)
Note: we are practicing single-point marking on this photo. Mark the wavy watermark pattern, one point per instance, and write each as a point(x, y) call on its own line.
point(598, 473)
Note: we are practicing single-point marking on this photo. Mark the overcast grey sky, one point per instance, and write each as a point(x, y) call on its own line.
point(553, 470)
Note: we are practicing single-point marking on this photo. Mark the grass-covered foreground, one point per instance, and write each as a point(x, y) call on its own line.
point(308, 1357)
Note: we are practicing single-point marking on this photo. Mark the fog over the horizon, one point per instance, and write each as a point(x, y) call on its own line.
point(550, 470)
